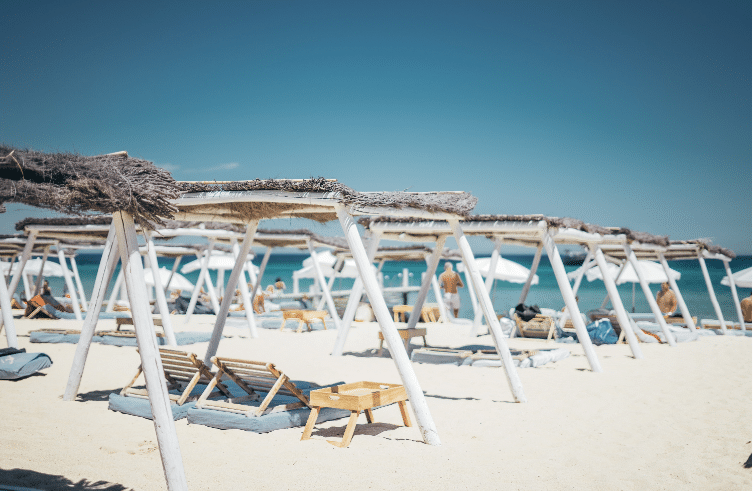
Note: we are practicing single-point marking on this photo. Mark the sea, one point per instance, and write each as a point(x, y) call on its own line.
point(504, 295)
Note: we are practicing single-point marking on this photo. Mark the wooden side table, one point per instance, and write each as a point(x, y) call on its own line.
point(355, 397)
point(427, 313)
point(303, 316)
point(406, 335)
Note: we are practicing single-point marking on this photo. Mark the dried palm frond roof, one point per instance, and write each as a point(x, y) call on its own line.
point(75, 184)
point(308, 202)
point(707, 245)
point(554, 222)
point(65, 221)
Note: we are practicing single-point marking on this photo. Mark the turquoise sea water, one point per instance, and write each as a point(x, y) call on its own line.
point(504, 295)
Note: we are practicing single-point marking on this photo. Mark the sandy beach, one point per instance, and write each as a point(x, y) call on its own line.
point(678, 419)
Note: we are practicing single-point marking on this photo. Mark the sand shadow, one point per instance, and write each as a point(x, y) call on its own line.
point(97, 395)
point(37, 480)
point(368, 429)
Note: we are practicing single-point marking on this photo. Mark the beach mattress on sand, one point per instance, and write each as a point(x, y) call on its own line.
point(182, 338)
point(137, 406)
point(225, 420)
point(19, 365)
point(474, 356)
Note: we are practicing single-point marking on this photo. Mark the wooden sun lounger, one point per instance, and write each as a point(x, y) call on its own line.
point(541, 326)
point(427, 313)
point(252, 377)
point(303, 316)
point(183, 371)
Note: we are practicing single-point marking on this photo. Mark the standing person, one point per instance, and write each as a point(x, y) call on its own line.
point(666, 300)
point(450, 282)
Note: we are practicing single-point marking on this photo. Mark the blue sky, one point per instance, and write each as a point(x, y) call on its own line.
point(634, 114)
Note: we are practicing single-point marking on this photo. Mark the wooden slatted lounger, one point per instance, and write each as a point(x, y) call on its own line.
point(303, 316)
point(183, 371)
point(252, 377)
point(541, 326)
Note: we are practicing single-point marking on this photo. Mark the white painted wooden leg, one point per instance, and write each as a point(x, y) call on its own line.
point(202, 278)
point(27, 288)
point(25, 255)
point(572, 305)
point(69, 284)
point(355, 298)
point(493, 260)
point(219, 323)
point(531, 274)
point(262, 268)
point(176, 263)
point(110, 257)
point(389, 331)
point(649, 296)
point(151, 363)
point(79, 285)
point(619, 308)
point(40, 277)
point(325, 290)
point(587, 264)
point(444, 312)
point(7, 316)
point(516, 386)
point(735, 298)
point(431, 269)
point(159, 291)
point(248, 305)
point(115, 290)
point(712, 295)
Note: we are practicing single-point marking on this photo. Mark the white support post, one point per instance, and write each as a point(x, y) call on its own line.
point(69, 284)
point(219, 323)
point(735, 298)
point(529, 280)
point(159, 291)
point(331, 282)
point(569, 297)
point(176, 263)
point(220, 283)
point(7, 316)
point(110, 257)
point(712, 295)
point(472, 293)
point(323, 284)
point(27, 288)
point(680, 301)
point(151, 363)
point(355, 298)
point(493, 260)
point(389, 331)
point(587, 263)
point(25, 255)
point(262, 267)
point(477, 282)
point(649, 296)
point(619, 274)
point(213, 295)
point(115, 290)
point(202, 279)
point(431, 269)
point(619, 308)
point(40, 277)
point(79, 285)
point(245, 295)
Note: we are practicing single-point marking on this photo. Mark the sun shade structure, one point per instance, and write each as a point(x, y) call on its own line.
point(245, 203)
point(134, 191)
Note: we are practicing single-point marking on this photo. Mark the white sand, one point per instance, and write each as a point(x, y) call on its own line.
point(678, 419)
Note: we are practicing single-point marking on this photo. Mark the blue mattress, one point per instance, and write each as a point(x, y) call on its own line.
point(182, 338)
point(20, 365)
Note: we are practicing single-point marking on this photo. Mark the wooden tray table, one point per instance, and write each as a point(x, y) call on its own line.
point(355, 397)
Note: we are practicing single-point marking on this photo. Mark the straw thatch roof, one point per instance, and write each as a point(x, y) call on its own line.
point(66, 221)
point(706, 244)
point(554, 222)
point(449, 202)
point(75, 184)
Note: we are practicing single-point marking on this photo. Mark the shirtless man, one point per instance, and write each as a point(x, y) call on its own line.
point(666, 300)
point(745, 306)
point(450, 282)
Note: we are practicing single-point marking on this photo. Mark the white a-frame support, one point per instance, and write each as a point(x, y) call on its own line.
point(680, 301)
point(159, 291)
point(735, 298)
point(493, 260)
point(25, 255)
point(516, 387)
point(243, 287)
point(325, 288)
point(431, 270)
point(387, 326)
point(712, 295)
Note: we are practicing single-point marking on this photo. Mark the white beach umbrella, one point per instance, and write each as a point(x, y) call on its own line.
point(506, 270)
point(326, 259)
point(742, 279)
point(653, 273)
point(33, 266)
point(179, 282)
point(218, 260)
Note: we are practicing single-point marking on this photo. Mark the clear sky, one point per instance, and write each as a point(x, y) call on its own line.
point(634, 114)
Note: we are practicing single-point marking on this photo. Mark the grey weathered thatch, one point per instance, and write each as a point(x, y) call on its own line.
point(706, 244)
point(66, 221)
point(456, 203)
point(75, 184)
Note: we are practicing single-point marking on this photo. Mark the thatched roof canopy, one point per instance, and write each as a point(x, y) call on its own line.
point(65, 221)
point(243, 201)
point(74, 184)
